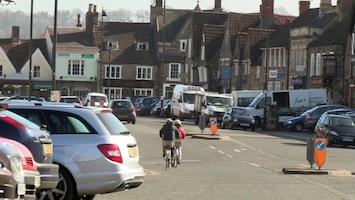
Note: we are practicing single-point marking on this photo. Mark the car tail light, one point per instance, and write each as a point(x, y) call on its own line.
point(29, 164)
point(309, 117)
point(133, 110)
point(13, 122)
point(111, 151)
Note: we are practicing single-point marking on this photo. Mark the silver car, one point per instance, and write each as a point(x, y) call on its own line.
point(95, 151)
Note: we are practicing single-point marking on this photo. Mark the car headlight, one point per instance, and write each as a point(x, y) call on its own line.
point(333, 133)
point(253, 121)
point(235, 119)
point(16, 168)
point(289, 122)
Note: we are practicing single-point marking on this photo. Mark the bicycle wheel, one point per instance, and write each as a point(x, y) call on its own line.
point(174, 158)
point(167, 159)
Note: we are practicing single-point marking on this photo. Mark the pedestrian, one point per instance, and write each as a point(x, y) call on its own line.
point(168, 134)
point(178, 142)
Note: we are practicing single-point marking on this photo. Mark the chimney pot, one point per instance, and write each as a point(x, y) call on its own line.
point(304, 6)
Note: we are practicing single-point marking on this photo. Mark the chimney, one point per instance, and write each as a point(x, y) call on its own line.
point(89, 20)
point(304, 6)
point(344, 8)
point(267, 13)
point(96, 16)
point(217, 5)
point(158, 3)
point(78, 23)
point(325, 5)
point(15, 36)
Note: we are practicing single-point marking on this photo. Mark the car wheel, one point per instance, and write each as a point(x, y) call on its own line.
point(66, 186)
point(223, 125)
point(298, 127)
point(252, 128)
point(230, 126)
point(329, 143)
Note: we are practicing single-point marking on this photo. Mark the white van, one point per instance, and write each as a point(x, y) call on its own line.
point(290, 100)
point(183, 100)
point(96, 99)
point(244, 97)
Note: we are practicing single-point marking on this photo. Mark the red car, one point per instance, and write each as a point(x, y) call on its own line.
point(32, 176)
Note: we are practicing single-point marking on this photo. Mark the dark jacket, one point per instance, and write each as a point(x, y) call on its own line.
point(168, 132)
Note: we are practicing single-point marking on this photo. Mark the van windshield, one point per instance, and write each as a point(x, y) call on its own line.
point(189, 98)
point(218, 101)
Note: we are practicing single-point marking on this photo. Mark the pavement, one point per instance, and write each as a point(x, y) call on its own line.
point(315, 171)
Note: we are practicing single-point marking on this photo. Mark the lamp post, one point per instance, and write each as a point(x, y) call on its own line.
point(54, 51)
point(109, 74)
point(266, 63)
point(30, 54)
point(103, 14)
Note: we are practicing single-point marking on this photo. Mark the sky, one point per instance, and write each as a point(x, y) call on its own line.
point(241, 6)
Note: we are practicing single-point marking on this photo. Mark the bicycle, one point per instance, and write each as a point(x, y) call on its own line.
point(175, 157)
point(167, 158)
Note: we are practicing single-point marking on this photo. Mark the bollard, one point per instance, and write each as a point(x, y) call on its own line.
point(310, 151)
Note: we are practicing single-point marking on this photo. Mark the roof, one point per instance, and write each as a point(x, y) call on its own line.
point(18, 53)
point(311, 18)
point(128, 35)
point(336, 35)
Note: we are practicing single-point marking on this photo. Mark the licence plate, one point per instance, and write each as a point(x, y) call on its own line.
point(347, 139)
point(48, 148)
point(243, 124)
point(132, 151)
point(21, 189)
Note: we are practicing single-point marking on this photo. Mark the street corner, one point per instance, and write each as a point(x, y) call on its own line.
point(315, 171)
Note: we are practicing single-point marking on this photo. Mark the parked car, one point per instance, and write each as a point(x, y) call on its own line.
point(338, 129)
point(31, 174)
point(32, 98)
point(123, 109)
point(146, 109)
point(12, 180)
point(309, 118)
point(37, 140)
point(70, 99)
point(96, 99)
point(238, 117)
point(83, 139)
point(160, 111)
point(133, 98)
point(145, 101)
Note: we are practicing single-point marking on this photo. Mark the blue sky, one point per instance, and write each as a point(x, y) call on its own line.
point(243, 6)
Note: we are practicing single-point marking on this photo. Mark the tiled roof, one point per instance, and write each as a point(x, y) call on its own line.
point(336, 35)
point(18, 53)
point(311, 18)
point(200, 19)
point(128, 35)
point(71, 34)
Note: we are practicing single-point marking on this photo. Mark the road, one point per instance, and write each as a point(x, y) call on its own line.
point(240, 165)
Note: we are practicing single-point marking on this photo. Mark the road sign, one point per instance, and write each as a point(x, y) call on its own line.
point(213, 125)
point(320, 151)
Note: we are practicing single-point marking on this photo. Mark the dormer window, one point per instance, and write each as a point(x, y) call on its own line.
point(111, 45)
point(142, 46)
point(183, 45)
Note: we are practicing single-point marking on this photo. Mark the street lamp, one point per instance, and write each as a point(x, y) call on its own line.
point(266, 64)
point(109, 73)
point(30, 54)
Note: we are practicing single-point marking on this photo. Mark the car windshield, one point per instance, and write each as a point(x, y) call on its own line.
point(112, 123)
point(121, 104)
point(218, 101)
point(238, 111)
point(342, 121)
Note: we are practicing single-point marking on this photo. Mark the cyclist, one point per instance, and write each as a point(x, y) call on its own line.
point(168, 135)
point(178, 142)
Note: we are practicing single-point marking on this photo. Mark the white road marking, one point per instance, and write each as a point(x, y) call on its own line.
point(253, 164)
point(236, 150)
